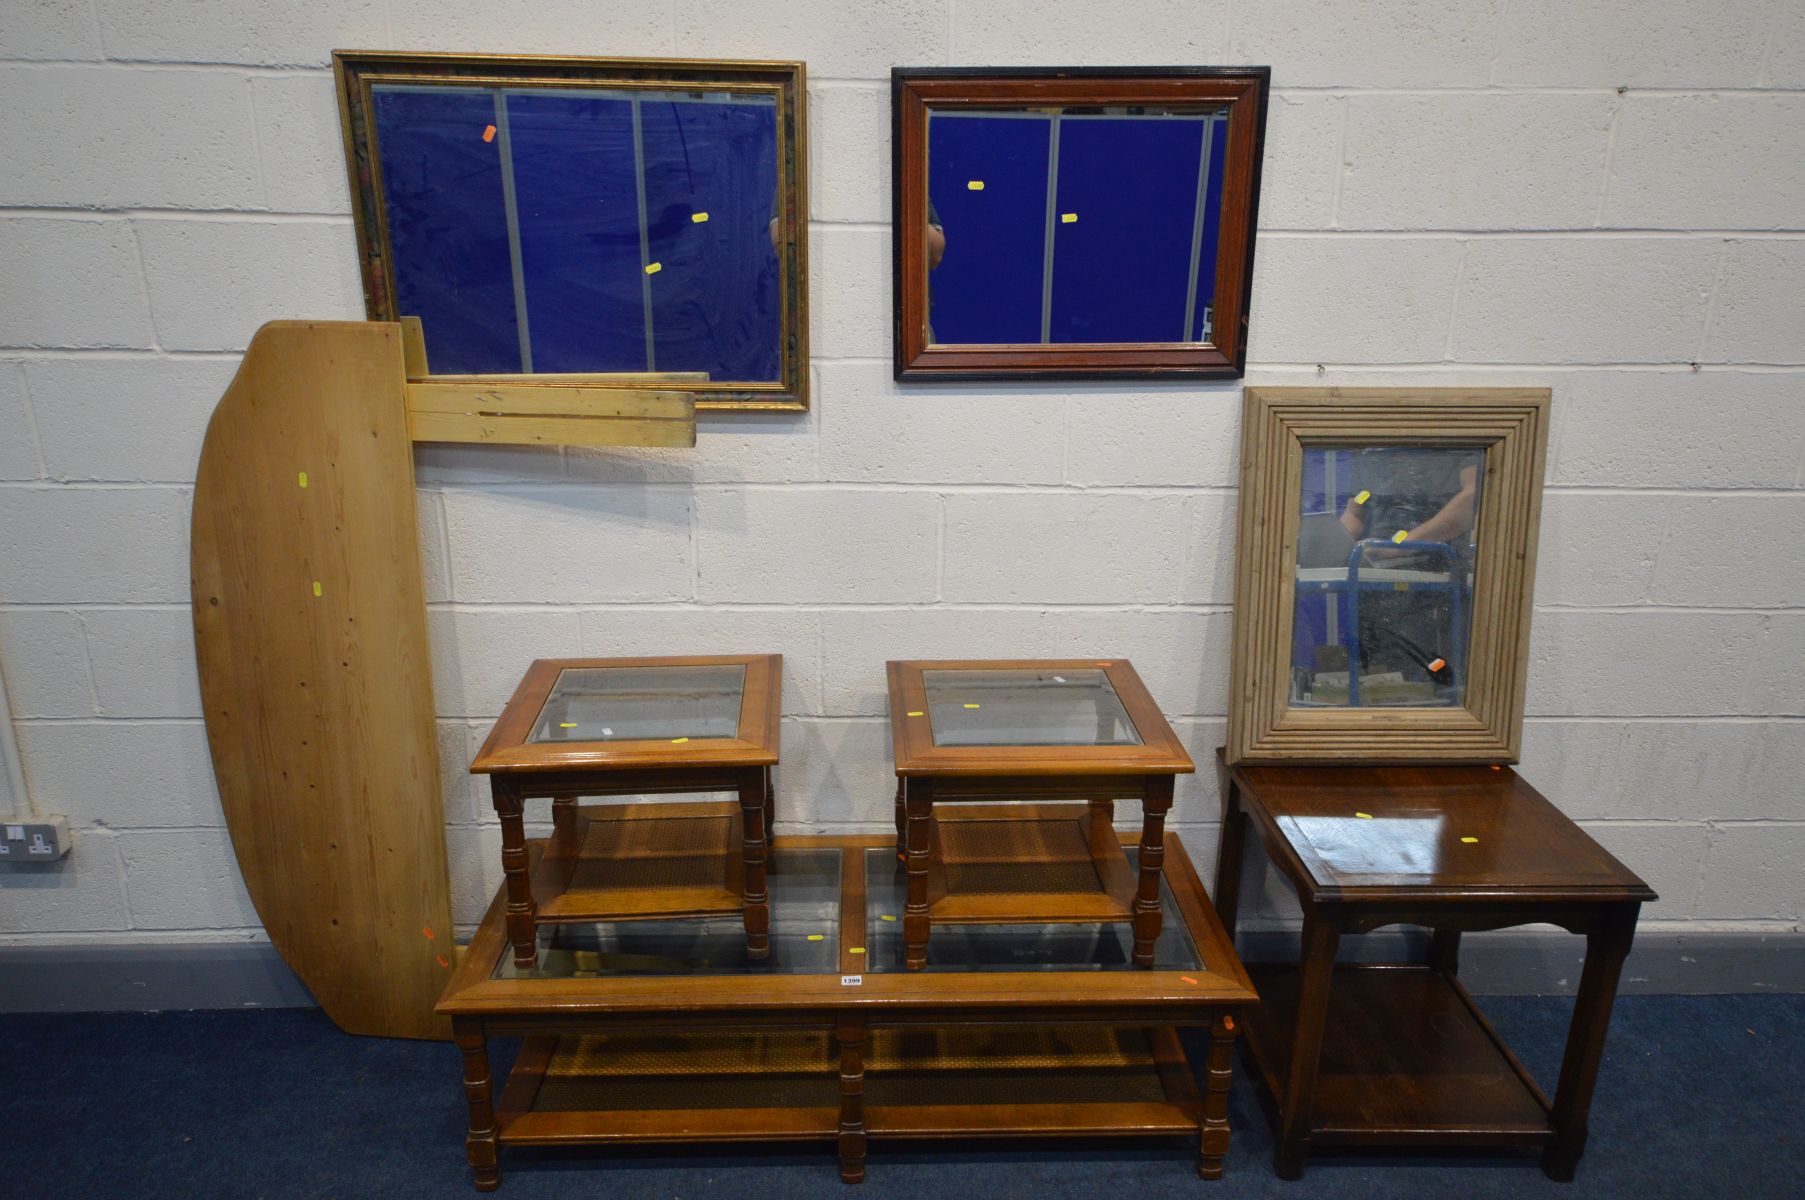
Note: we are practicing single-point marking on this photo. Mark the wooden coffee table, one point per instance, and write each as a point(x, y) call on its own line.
point(670, 1031)
point(631, 727)
point(1399, 1054)
point(1043, 730)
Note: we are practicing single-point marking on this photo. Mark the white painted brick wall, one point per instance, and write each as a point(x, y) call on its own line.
point(1758, 316)
point(261, 271)
point(1475, 161)
point(128, 138)
point(1638, 43)
point(49, 29)
point(154, 412)
point(1708, 162)
point(18, 439)
point(70, 283)
point(1454, 194)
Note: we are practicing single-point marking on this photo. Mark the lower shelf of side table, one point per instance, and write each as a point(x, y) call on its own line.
point(734, 1085)
point(625, 862)
point(1407, 1059)
point(1035, 863)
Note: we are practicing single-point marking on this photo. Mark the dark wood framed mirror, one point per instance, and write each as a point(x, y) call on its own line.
point(1075, 222)
point(604, 222)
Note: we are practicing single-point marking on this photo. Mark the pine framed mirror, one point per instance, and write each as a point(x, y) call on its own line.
point(598, 221)
point(1384, 568)
point(1075, 223)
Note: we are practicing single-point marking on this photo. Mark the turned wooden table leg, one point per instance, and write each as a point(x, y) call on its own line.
point(919, 803)
point(850, 1031)
point(1607, 945)
point(1315, 973)
point(902, 825)
point(1212, 1142)
point(522, 932)
point(481, 1142)
point(564, 817)
point(1156, 801)
point(754, 842)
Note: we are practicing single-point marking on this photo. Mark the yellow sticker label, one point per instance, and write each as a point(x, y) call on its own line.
point(1400, 587)
point(815, 937)
point(916, 714)
point(1068, 218)
point(1401, 535)
point(1469, 840)
point(974, 185)
point(887, 917)
point(567, 724)
point(654, 268)
point(856, 950)
point(972, 706)
point(1363, 497)
point(1364, 816)
point(316, 588)
point(698, 218)
point(678, 741)
point(303, 479)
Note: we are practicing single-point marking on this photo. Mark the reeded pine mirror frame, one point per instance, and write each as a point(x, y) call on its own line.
point(356, 71)
point(1242, 91)
point(1278, 424)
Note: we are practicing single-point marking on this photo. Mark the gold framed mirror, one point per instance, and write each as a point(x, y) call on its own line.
point(603, 222)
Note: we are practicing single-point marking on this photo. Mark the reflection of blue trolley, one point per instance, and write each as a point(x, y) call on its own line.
point(1352, 585)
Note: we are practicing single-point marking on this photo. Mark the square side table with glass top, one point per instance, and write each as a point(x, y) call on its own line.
point(635, 727)
point(1043, 734)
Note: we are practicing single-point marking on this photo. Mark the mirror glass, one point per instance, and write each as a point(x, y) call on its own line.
point(1091, 224)
point(1385, 555)
point(584, 230)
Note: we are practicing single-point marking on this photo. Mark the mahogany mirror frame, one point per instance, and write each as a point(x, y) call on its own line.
point(1277, 425)
point(1242, 91)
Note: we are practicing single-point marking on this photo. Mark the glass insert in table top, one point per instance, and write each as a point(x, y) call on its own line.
point(1025, 706)
point(804, 886)
point(1104, 946)
point(618, 704)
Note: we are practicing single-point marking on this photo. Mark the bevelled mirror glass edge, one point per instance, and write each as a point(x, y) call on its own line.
point(1512, 423)
point(1242, 93)
point(356, 71)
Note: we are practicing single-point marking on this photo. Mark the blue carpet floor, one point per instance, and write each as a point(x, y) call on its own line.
point(1698, 1097)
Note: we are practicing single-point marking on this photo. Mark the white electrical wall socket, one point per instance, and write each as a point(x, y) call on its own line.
point(41, 839)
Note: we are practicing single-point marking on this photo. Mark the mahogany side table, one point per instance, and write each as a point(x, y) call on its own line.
point(1041, 730)
point(631, 727)
point(1399, 1054)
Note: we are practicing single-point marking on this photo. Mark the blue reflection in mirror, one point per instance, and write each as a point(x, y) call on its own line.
point(584, 230)
point(1076, 225)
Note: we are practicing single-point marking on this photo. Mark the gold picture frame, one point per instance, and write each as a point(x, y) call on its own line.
point(783, 84)
point(1266, 723)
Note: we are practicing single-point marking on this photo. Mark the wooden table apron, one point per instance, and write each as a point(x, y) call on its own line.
point(480, 1006)
point(1604, 915)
